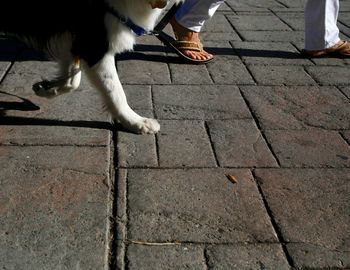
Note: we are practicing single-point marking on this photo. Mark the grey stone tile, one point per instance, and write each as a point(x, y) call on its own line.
point(346, 91)
point(222, 50)
point(315, 208)
point(218, 36)
point(136, 151)
point(293, 4)
point(273, 36)
point(219, 24)
point(53, 135)
point(184, 144)
point(199, 102)
point(252, 5)
point(247, 257)
point(55, 203)
point(269, 53)
point(344, 17)
point(309, 148)
point(196, 205)
point(229, 72)
point(140, 99)
point(89, 160)
point(165, 257)
point(346, 135)
point(257, 22)
point(3, 68)
point(330, 75)
point(294, 19)
point(281, 75)
point(189, 74)
point(308, 256)
point(239, 143)
point(283, 107)
point(134, 71)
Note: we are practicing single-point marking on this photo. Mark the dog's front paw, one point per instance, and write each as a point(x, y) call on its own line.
point(145, 126)
point(44, 89)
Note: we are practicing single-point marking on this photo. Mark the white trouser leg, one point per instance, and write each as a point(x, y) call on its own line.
point(321, 29)
point(194, 13)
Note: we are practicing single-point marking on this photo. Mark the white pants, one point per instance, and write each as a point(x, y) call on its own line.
point(194, 13)
point(321, 16)
point(321, 29)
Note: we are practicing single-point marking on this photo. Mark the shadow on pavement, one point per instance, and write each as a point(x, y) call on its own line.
point(28, 121)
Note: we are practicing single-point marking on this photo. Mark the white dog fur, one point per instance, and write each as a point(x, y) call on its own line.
point(103, 73)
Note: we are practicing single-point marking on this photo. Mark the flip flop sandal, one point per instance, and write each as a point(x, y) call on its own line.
point(179, 46)
point(341, 50)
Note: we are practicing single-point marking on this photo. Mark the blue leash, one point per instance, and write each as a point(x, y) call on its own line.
point(138, 30)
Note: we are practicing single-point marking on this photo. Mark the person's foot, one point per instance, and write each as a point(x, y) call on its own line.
point(188, 42)
point(341, 49)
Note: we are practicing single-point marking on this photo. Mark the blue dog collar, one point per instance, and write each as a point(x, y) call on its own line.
point(138, 30)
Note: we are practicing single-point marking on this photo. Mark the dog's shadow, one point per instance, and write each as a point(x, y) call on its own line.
point(22, 105)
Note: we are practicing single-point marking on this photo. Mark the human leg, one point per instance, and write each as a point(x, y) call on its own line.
point(187, 24)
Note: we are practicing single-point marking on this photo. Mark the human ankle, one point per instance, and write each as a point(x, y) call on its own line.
point(183, 33)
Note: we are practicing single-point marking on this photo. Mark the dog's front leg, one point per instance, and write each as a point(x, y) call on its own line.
point(104, 76)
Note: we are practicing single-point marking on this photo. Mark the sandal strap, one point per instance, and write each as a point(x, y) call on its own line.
point(188, 45)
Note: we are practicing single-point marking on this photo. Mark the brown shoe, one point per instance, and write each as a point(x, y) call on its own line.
point(341, 49)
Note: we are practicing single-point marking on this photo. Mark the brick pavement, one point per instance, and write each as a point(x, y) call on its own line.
point(77, 193)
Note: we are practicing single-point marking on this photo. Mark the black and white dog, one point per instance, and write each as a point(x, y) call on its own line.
point(85, 34)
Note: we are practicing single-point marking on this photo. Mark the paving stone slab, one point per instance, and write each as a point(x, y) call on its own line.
point(199, 102)
point(273, 36)
point(184, 144)
point(133, 70)
point(346, 91)
point(309, 148)
point(239, 143)
point(3, 68)
point(189, 74)
point(222, 49)
point(136, 150)
point(218, 36)
point(269, 53)
point(165, 257)
point(346, 135)
point(344, 18)
point(292, 4)
point(195, 205)
point(140, 99)
point(53, 135)
point(247, 257)
point(229, 72)
point(136, 72)
point(280, 75)
point(315, 208)
point(257, 22)
point(54, 200)
point(306, 256)
point(330, 75)
point(252, 5)
point(294, 19)
point(301, 107)
point(218, 23)
point(84, 104)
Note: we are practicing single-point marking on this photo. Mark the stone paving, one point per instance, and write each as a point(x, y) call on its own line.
point(250, 170)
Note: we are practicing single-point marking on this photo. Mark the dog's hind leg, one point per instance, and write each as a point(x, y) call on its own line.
point(104, 76)
point(67, 81)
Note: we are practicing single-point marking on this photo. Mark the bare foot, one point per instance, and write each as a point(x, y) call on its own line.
point(184, 34)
